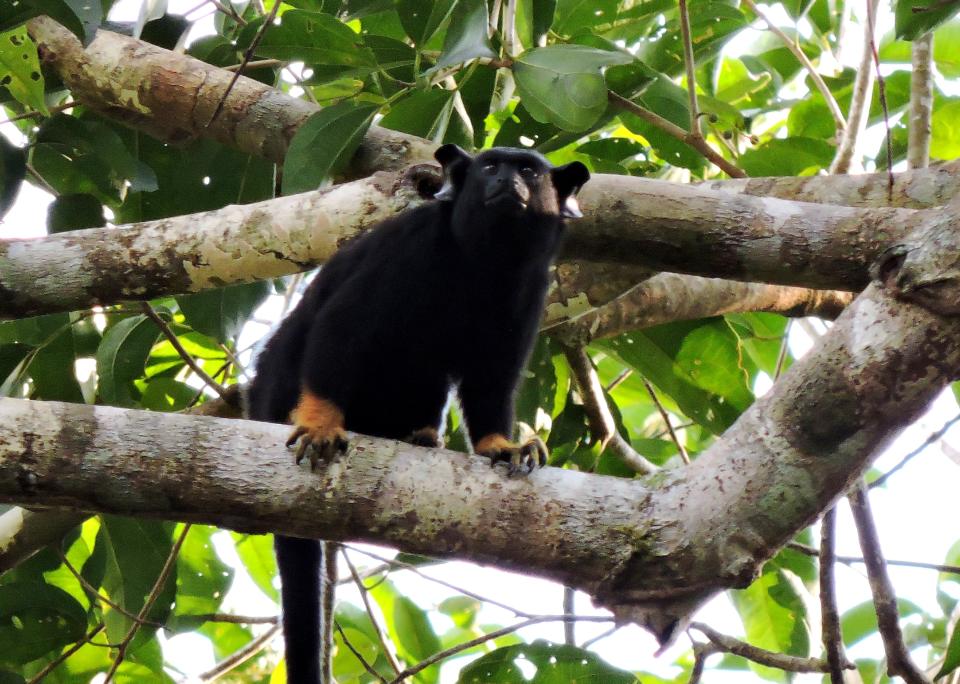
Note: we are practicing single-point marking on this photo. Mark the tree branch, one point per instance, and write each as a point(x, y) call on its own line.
point(921, 102)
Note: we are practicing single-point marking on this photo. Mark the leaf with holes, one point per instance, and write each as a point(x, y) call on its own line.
point(552, 663)
point(20, 69)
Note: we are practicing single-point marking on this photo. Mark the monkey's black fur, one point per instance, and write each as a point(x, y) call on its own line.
point(446, 295)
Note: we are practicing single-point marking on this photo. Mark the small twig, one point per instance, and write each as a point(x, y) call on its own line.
point(603, 428)
point(617, 381)
point(496, 634)
point(54, 664)
point(666, 419)
point(569, 634)
point(791, 45)
point(931, 438)
point(229, 10)
point(35, 175)
point(784, 349)
point(881, 91)
point(239, 657)
point(356, 654)
point(184, 354)
point(256, 64)
point(148, 603)
point(414, 569)
point(236, 619)
point(381, 637)
point(700, 654)
point(829, 614)
point(602, 635)
point(899, 663)
point(850, 560)
point(762, 656)
point(691, 69)
point(247, 56)
point(696, 142)
point(39, 115)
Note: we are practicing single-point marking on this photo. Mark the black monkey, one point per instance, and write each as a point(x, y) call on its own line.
point(449, 294)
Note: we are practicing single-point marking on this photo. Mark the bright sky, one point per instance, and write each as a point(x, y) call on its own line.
point(914, 512)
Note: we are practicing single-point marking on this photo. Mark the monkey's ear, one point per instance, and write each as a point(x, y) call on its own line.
point(568, 179)
point(454, 162)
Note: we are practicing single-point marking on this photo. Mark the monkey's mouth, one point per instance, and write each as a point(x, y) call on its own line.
point(506, 200)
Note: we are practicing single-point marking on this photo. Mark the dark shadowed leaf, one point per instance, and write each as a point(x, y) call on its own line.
point(466, 38)
point(422, 18)
point(916, 17)
point(121, 358)
point(788, 157)
point(324, 145)
point(13, 169)
point(314, 38)
point(74, 212)
point(36, 618)
point(220, 313)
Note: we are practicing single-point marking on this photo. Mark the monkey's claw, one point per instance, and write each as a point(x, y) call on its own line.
point(520, 458)
point(425, 437)
point(317, 444)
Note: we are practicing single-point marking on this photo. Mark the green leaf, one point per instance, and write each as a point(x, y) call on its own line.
point(324, 145)
point(948, 583)
point(74, 212)
point(81, 17)
point(916, 17)
point(409, 628)
point(788, 157)
point(951, 658)
point(668, 100)
point(861, 621)
point(202, 579)
point(797, 8)
point(315, 38)
point(167, 394)
point(256, 552)
point(945, 131)
point(13, 169)
point(20, 69)
point(774, 616)
point(576, 16)
point(35, 619)
point(53, 370)
point(121, 358)
point(425, 114)
point(136, 553)
point(534, 18)
point(466, 38)
point(554, 663)
point(563, 84)
point(422, 18)
point(461, 609)
point(220, 313)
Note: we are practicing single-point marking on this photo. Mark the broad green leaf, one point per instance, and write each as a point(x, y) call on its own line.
point(393, 56)
point(575, 16)
point(712, 24)
point(13, 169)
point(916, 17)
point(774, 617)
point(256, 552)
point(946, 49)
point(861, 621)
point(315, 38)
point(563, 84)
point(466, 38)
point(346, 665)
point(945, 131)
point(202, 579)
point(534, 18)
point(811, 118)
point(797, 8)
point(324, 145)
point(422, 18)
point(668, 100)
point(136, 553)
point(53, 372)
point(951, 658)
point(409, 628)
point(426, 114)
point(167, 394)
point(553, 664)
point(35, 619)
point(788, 157)
point(220, 313)
point(461, 609)
point(81, 17)
point(121, 358)
point(20, 69)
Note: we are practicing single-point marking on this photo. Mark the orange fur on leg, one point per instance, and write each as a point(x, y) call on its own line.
point(318, 428)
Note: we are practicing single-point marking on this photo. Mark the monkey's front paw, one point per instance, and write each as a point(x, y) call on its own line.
point(520, 458)
point(318, 444)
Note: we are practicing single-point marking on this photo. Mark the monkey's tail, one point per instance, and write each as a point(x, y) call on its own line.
point(300, 562)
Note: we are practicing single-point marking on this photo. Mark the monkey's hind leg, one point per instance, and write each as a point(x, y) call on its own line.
point(318, 429)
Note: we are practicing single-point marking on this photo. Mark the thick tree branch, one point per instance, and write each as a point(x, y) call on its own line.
point(631, 222)
point(143, 85)
point(651, 551)
point(921, 102)
point(673, 297)
point(172, 97)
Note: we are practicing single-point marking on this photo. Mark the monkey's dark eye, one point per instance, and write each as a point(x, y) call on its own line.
point(488, 169)
point(528, 172)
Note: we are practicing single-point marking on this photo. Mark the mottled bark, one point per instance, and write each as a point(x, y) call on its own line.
point(650, 549)
point(920, 114)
